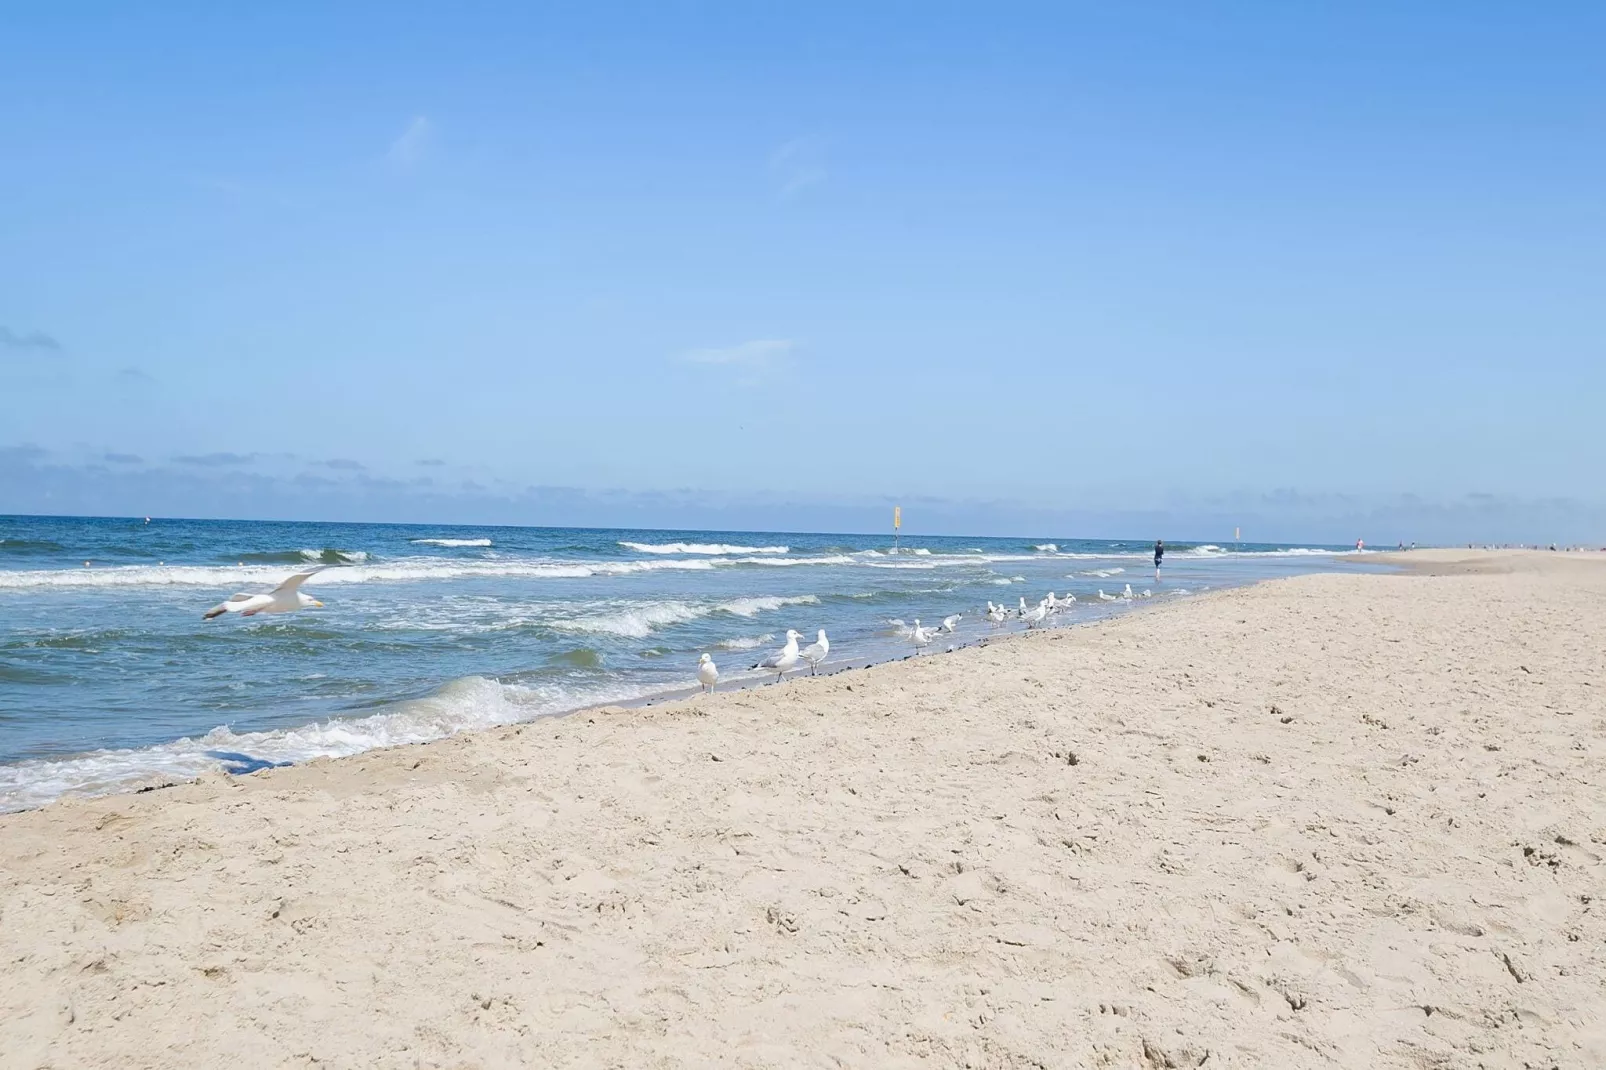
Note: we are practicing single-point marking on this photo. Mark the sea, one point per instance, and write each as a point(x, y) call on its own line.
point(111, 681)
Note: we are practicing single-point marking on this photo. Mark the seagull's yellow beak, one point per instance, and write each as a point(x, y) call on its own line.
point(317, 603)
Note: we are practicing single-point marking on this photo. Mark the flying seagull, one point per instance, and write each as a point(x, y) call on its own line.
point(285, 598)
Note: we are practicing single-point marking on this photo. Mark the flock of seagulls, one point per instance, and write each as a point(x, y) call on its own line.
point(288, 597)
point(786, 659)
point(1035, 616)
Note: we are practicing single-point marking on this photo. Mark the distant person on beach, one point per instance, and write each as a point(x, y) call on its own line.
point(1159, 552)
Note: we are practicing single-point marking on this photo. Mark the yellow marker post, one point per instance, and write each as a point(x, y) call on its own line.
point(897, 524)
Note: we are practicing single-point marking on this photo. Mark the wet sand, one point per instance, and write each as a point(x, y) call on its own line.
point(1338, 820)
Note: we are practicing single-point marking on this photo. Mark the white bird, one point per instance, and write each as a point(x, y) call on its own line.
point(1105, 597)
point(1147, 593)
point(816, 651)
point(996, 614)
point(920, 637)
point(1021, 613)
point(285, 598)
point(949, 624)
point(783, 660)
point(707, 672)
point(1053, 603)
point(1126, 595)
point(1035, 617)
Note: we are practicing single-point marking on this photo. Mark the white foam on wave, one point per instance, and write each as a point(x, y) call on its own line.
point(748, 642)
point(639, 620)
point(408, 569)
point(1101, 573)
point(636, 622)
point(713, 549)
point(400, 570)
point(752, 607)
point(1047, 548)
point(351, 557)
point(450, 542)
point(463, 705)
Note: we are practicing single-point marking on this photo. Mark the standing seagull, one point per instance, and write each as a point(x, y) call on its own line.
point(816, 651)
point(996, 614)
point(285, 598)
point(1035, 617)
point(920, 637)
point(949, 624)
point(707, 672)
point(783, 660)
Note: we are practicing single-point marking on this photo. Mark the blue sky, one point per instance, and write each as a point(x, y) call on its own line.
point(1325, 265)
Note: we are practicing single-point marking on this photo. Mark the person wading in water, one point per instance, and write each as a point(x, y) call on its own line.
point(1159, 552)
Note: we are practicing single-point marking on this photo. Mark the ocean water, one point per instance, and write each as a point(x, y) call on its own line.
point(110, 680)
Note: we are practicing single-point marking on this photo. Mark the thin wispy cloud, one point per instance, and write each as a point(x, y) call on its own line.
point(28, 340)
point(759, 354)
point(215, 460)
point(797, 165)
point(125, 458)
point(231, 189)
point(413, 143)
point(431, 462)
point(344, 464)
point(134, 377)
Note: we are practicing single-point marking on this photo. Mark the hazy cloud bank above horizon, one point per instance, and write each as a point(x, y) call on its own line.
point(37, 481)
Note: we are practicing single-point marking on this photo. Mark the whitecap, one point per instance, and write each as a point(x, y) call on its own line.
point(639, 620)
point(450, 542)
point(712, 549)
point(747, 642)
point(401, 570)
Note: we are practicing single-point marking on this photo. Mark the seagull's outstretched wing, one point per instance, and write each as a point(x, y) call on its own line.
point(294, 582)
point(238, 603)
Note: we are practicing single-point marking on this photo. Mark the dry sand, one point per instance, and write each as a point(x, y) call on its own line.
point(1336, 820)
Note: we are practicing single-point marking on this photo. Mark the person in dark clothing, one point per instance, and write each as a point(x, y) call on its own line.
point(1159, 552)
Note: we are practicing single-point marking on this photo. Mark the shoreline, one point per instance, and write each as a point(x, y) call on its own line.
point(1340, 819)
point(157, 781)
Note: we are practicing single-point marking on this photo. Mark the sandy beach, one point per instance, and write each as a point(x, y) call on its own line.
point(1334, 820)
